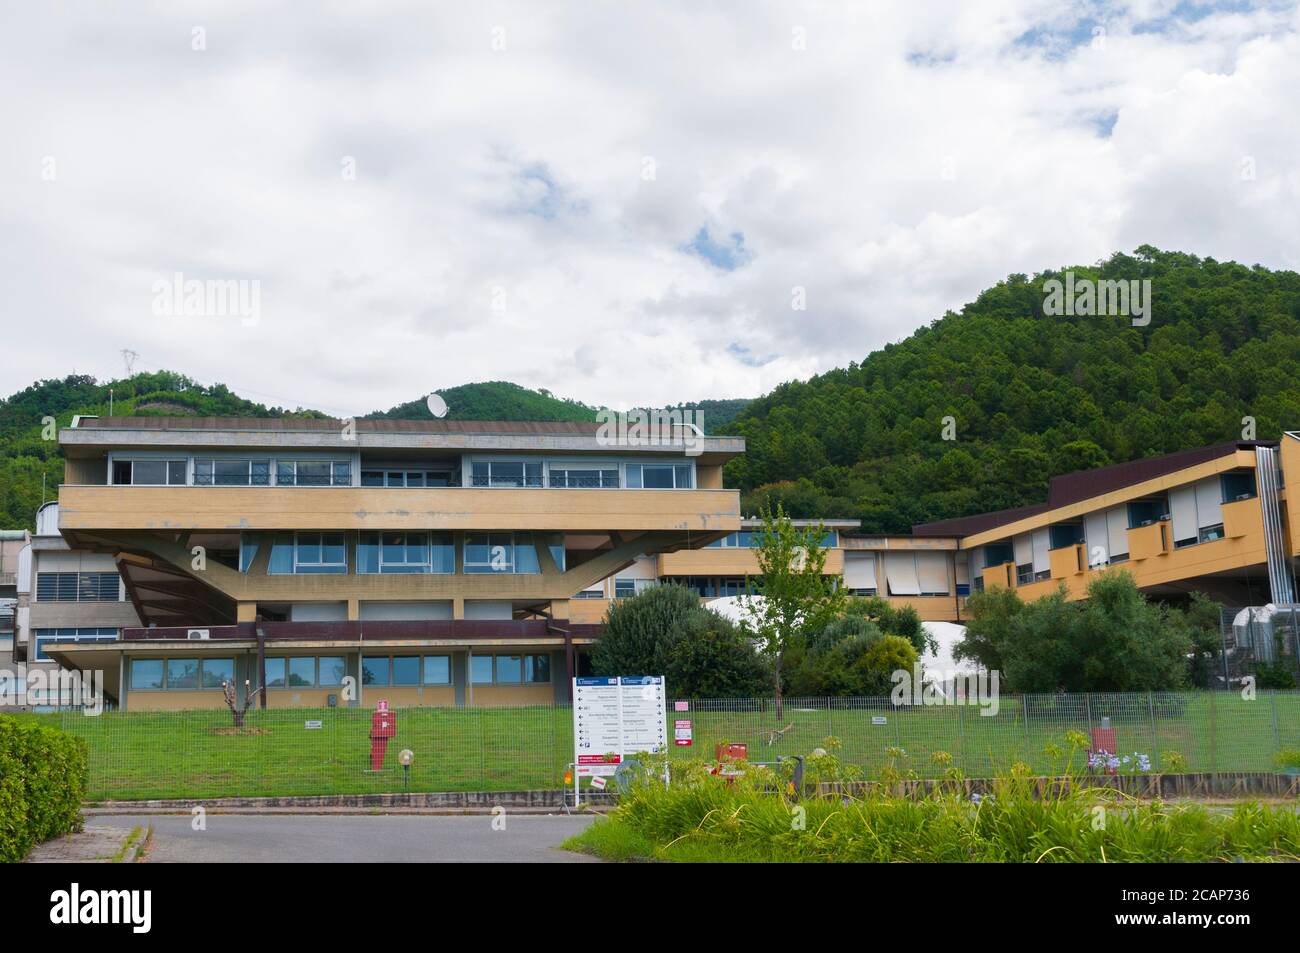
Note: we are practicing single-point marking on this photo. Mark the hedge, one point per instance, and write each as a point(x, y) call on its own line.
point(42, 785)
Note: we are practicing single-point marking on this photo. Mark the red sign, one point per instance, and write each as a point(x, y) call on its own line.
point(600, 758)
point(682, 733)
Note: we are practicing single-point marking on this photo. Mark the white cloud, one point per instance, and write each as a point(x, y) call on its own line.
point(903, 161)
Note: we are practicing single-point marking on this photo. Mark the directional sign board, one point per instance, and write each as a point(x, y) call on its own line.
point(614, 717)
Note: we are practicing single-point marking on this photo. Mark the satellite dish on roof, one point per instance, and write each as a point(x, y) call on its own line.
point(437, 406)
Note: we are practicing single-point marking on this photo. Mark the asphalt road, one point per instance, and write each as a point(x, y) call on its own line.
point(235, 838)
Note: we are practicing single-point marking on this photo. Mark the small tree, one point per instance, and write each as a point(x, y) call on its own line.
point(797, 596)
point(236, 712)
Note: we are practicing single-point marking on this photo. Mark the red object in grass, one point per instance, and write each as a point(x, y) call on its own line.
point(383, 725)
point(1103, 741)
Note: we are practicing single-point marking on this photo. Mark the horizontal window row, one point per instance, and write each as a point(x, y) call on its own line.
point(403, 552)
point(306, 671)
point(266, 471)
point(180, 674)
point(78, 587)
point(749, 539)
point(43, 637)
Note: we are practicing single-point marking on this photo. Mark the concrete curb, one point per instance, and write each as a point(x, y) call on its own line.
point(452, 802)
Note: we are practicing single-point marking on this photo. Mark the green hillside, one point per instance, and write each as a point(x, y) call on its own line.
point(1032, 395)
point(493, 400)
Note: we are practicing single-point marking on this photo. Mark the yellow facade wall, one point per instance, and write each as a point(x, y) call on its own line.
point(512, 696)
point(416, 696)
point(377, 508)
point(139, 700)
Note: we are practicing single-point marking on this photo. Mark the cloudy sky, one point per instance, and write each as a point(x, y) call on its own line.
point(625, 203)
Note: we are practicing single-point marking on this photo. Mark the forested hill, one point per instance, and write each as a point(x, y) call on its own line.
point(1031, 395)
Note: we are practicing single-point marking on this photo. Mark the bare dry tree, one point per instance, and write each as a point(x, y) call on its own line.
point(228, 689)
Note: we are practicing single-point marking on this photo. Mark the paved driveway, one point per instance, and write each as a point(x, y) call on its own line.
point(355, 838)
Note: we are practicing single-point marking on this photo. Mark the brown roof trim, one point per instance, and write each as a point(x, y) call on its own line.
point(1084, 484)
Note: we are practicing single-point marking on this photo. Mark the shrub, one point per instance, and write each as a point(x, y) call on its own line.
point(665, 631)
point(42, 783)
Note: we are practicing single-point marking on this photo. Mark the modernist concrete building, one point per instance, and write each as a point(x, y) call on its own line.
point(1214, 519)
point(458, 563)
point(423, 562)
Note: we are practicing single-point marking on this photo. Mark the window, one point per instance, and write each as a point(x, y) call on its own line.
point(501, 553)
point(149, 472)
point(406, 670)
point(320, 553)
point(247, 553)
point(275, 669)
point(1064, 535)
point(537, 668)
point(313, 473)
point(1145, 512)
point(416, 478)
point(302, 672)
point(374, 670)
point(437, 670)
point(510, 669)
point(624, 588)
point(596, 593)
point(506, 473)
point(182, 673)
point(1237, 486)
point(42, 637)
point(659, 476)
point(400, 552)
point(146, 674)
point(1209, 534)
point(584, 478)
point(332, 670)
point(78, 587)
point(232, 472)
point(216, 672)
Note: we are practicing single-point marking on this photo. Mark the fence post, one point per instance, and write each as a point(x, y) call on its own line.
point(1277, 737)
point(961, 735)
point(1029, 744)
point(1214, 735)
point(1155, 735)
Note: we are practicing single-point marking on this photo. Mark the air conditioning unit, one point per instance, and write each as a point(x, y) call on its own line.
point(194, 634)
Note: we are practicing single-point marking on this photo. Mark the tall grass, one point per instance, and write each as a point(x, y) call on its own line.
point(702, 817)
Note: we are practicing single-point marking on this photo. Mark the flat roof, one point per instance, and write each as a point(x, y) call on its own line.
point(92, 435)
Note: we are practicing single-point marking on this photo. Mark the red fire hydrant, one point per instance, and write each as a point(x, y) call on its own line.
point(383, 725)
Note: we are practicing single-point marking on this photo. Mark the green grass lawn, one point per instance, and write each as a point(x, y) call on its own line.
point(137, 755)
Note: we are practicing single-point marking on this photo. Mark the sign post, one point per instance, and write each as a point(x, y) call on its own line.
point(613, 717)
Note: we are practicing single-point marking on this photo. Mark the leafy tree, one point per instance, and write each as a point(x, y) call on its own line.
point(665, 631)
point(1114, 640)
point(796, 596)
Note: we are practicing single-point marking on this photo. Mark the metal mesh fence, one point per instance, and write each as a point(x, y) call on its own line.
point(283, 752)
